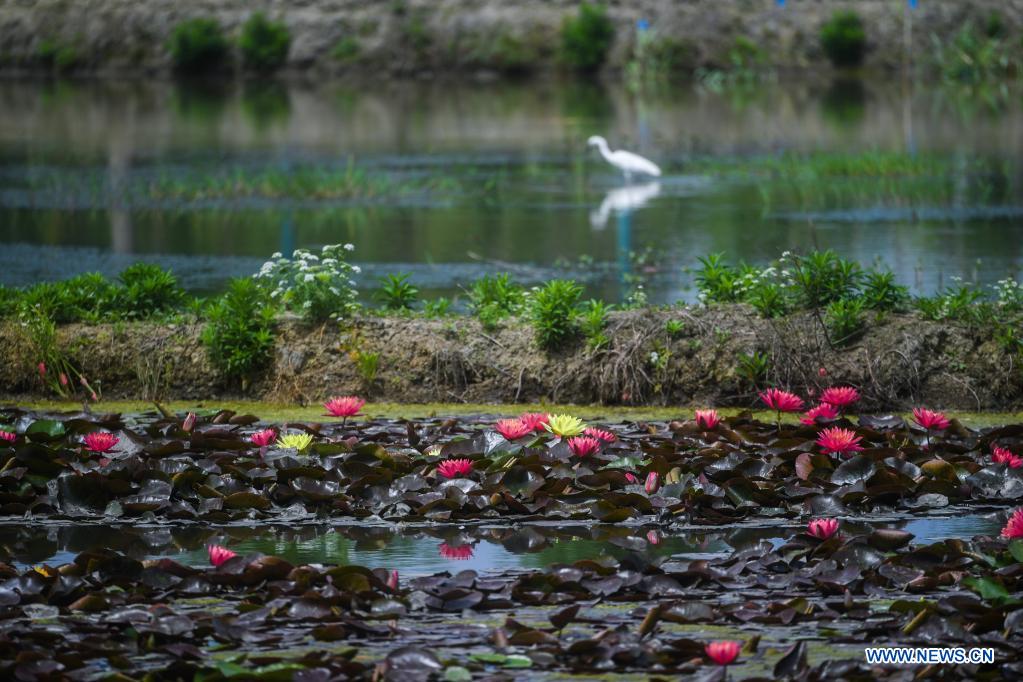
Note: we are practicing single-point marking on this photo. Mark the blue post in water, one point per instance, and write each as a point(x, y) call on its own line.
point(624, 248)
point(781, 3)
point(912, 3)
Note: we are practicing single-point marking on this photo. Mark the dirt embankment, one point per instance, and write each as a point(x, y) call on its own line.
point(440, 36)
point(900, 361)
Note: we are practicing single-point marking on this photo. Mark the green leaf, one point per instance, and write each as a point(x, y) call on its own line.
point(987, 588)
point(457, 673)
point(45, 429)
point(518, 661)
point(1016, 550)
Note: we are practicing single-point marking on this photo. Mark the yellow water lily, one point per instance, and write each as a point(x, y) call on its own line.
point(298, 441)
point(564, 425)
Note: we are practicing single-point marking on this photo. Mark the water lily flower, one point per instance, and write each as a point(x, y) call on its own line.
point(653, 537)
point(263, 438)
point(822, 528)
point(1014, 526)
point(840, 396)
point(457, 552)
point(297, 441)
point(824, 411)
point(219, 555)
point(42, 370)
point(100, 441)
point(838, 441)
point(344, 407)
point(653, 483)
point(535, 420)
point(8, 436)
point(929, 419)
point(781, 401)
point(1005, 456)
point(455, 467)
point(582, 446)
point(434, 450)
point(189, 422)
point(707, 419)
point(512, 429)
point(600, 434)
point(722, 652)
point(631, 478)
point(564, 425)
point(392, 581)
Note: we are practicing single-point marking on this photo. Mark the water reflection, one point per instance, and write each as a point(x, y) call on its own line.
point(623, 201)
point(417, 551)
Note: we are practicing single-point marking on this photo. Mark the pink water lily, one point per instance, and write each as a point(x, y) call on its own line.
point(583, 446)
point(781, 401)
point(100, 441)
point(822, 528)
point(219, 554)
point(8, 436)
point(392, 581)
point(600, 434)
point(535, 420)
point(840, 396)
point(456, 552)
point(189, 422)
point(1014, 526)
point(512, 429)
point(930, 420)
point(707, 420)
point(1005, 456)
point(455, 467)
point(823, 412)
point(722, 653)
point(838, 441)
point(264, 438)
point(653, 483)
point(344, 406)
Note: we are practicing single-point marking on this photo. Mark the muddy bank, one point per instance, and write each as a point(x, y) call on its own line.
point(900, 361)
point(435, 36)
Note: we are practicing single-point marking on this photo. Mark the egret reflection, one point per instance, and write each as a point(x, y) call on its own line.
point(623, 201)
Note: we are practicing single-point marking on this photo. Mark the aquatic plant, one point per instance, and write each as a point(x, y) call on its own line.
point(455, 467)
point(930, 420)
point(781, 401)
point(220, 555)
point(552, 312)
point(456, 552)
point(344, 406)
point(148, 289)
point(8, 436)
point(822, 529)
point(513, 429)
point(844, 39)
point(263, 438)
point(581, 446)
point(844, 320)
point(295, 441)
point(239, 333)
point(1001, 455)
point(198, 45)
point(392, 581)
point(592, 322)
point(100, 441)
point(586, 37)
point(840, 396)
point(600, 434)
point(264, 44)
point(652, 483)
point(367, 364)
point(822, 412)
point(722, 652)
point(495, 297)
point(564, 425)
point(707, 420)
point(1014, 526)
point(537, 421)
point(397, 293)
point(317, 287)
point(839, 441)
point(753, 367)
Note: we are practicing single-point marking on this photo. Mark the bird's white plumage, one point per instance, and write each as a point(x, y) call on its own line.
point(627, 162)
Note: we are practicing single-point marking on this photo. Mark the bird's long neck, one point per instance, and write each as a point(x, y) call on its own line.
point(604, 151)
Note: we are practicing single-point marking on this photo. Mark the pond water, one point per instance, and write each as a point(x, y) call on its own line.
point(429, 549)
point(446, 182)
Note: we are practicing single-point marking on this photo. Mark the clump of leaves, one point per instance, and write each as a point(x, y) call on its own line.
point(438, 307)
point(367, 364)
point(717, 281)
point(844, 39)
point(553, 312)
point(397, 293)
point(149, 289)
point(317, 287)
point(674, 327)
point(753, 367)
point(495, 297)
point(264, 44)
point(198, 45)
point(844, 320)
point(822, 277)
point(592, 322)
point(956, 302)
point(586, 37)
point(882, 293)
point(239, 334)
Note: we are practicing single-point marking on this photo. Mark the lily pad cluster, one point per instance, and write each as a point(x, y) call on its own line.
point(261, 617)
point(211, 468)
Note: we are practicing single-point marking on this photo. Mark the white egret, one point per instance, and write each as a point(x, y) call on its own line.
point(627, 162)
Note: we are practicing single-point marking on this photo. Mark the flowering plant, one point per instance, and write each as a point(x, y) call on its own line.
point(317, 287)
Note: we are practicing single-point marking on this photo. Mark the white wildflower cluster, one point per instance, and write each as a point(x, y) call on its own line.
point(319, 287)
point(1008, 294)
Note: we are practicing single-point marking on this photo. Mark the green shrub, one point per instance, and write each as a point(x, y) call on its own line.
point(239, 334)
point(717, 281)
point(880, 292)
point(57, 56)
point(822, 277)
point(397, 293)
point(844, 320)
point(674, 328)
point(957, 302)
point(346, 49)
point(438, 307)
point(495, 297)
point(148, 289)
point(586, 38)
point(593, 321)
point(553, 311)
point(264, 44)
point(198, 45)
point(844, 39)
point(753, 367)
point(317, 287)
point(90, 297)
point(974, 57)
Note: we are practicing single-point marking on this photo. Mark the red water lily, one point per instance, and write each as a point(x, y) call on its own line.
point(653, 483)
point(535, 420)
point(781, 401)
point(1005, 456)
point(218, 554)
point(100, 441)
point(512, 429)
point(457, 552)
point(631, 478)
point(929, 419)
point(8, 436)
point(264, 438)
point(840, 396)
point(455, 467)
point(723, 652)
point(189, 422)
point(583, 446)
point(392, 581)
point(823, 412)
point(839, 441)
point(600, 434)
point(822, 528)
point(344, 406)
point(707, 419)
point(1014, 526)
